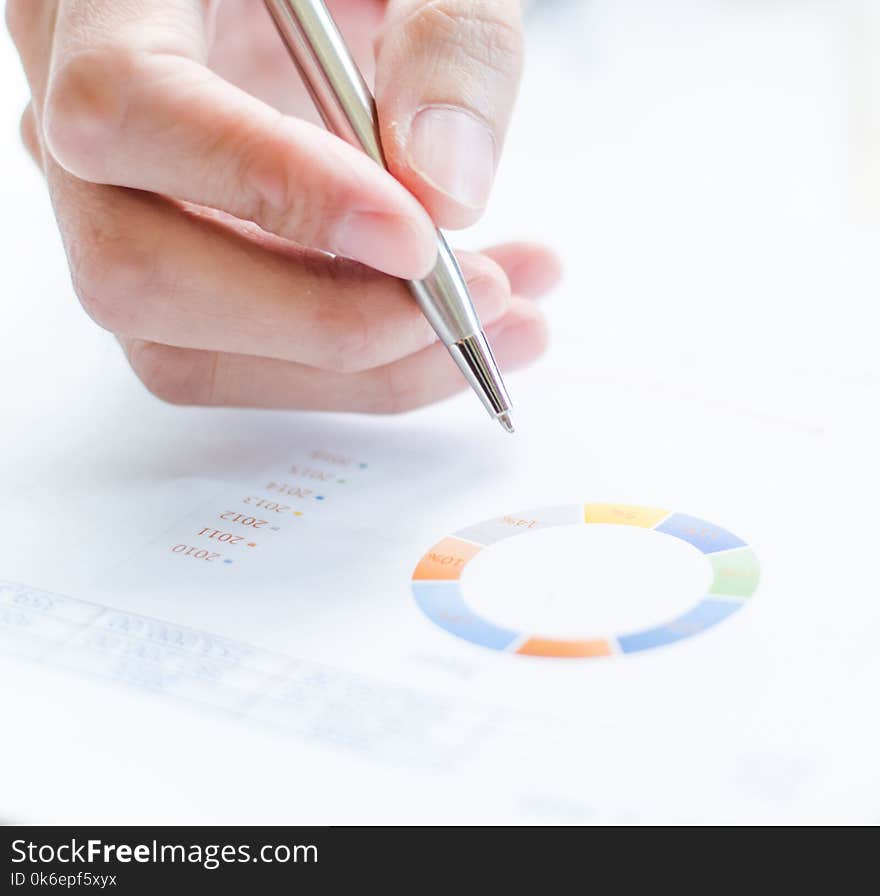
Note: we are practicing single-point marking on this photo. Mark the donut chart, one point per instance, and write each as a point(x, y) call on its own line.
point(436, 581)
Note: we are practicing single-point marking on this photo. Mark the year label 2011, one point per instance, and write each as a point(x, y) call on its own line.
point(220, 535)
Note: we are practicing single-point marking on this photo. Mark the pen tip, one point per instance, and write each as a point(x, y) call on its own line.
point(504, 420)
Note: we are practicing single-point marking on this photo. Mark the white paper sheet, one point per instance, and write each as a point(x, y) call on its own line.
point(713, 356)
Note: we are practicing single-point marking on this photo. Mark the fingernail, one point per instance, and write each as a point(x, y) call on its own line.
point(390, 243)
point(455, 152)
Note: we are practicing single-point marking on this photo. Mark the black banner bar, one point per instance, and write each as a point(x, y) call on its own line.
point(134, 860)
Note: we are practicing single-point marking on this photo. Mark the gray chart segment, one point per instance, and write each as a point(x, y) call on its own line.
point(499, 528)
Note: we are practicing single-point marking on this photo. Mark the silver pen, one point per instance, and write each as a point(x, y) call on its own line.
point(349, 111)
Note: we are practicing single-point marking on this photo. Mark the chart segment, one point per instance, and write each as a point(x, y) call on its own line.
point(446, 560)
point(444, 603)
point(624, 515)
point(512, 524)
point(736, 573)
point(436, 584)
point(563, 648)
point(705, 537)
point(705, 614)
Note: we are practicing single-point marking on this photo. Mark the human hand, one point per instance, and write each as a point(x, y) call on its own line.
point(197, 203)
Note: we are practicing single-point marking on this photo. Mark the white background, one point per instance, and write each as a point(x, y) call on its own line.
point(708, 171)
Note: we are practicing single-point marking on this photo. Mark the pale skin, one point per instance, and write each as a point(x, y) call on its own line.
point(240, 253)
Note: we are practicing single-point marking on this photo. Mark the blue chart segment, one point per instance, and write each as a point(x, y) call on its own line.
point(436, 581)
point(706, 613)
point(443, 601)
point(705, 537)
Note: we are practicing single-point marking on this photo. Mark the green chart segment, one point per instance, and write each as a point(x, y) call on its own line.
point(436, 581)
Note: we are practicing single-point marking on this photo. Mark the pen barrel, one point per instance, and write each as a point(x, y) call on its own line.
point(336, 85)
point(348, 109)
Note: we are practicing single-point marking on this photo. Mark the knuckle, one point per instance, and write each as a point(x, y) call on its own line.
point(486, 32)
point(166, 373)
point(281, 198)
point(398, 393)
point(350, 349)
point(114, 281)
point(85, 108)
point(28, 131)
point(353, 343)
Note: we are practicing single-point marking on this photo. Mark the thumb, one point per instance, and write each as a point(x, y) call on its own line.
point(447, 72)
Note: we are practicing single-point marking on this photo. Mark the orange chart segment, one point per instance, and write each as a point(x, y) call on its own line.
point(446, 560)
point(565, 648)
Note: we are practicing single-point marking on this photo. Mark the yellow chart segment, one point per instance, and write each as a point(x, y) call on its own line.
point(624, 515)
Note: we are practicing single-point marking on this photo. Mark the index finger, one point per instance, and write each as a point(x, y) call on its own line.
point(130, 103)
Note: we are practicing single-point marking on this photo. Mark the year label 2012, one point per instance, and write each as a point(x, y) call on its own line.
point(243, 520)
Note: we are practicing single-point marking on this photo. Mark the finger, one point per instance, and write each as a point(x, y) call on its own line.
point(29, 136)
point(122, 109)
point(531, 268)
point(143, 267)
point(182, 376)
point(446, 78)
point(30, 26)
